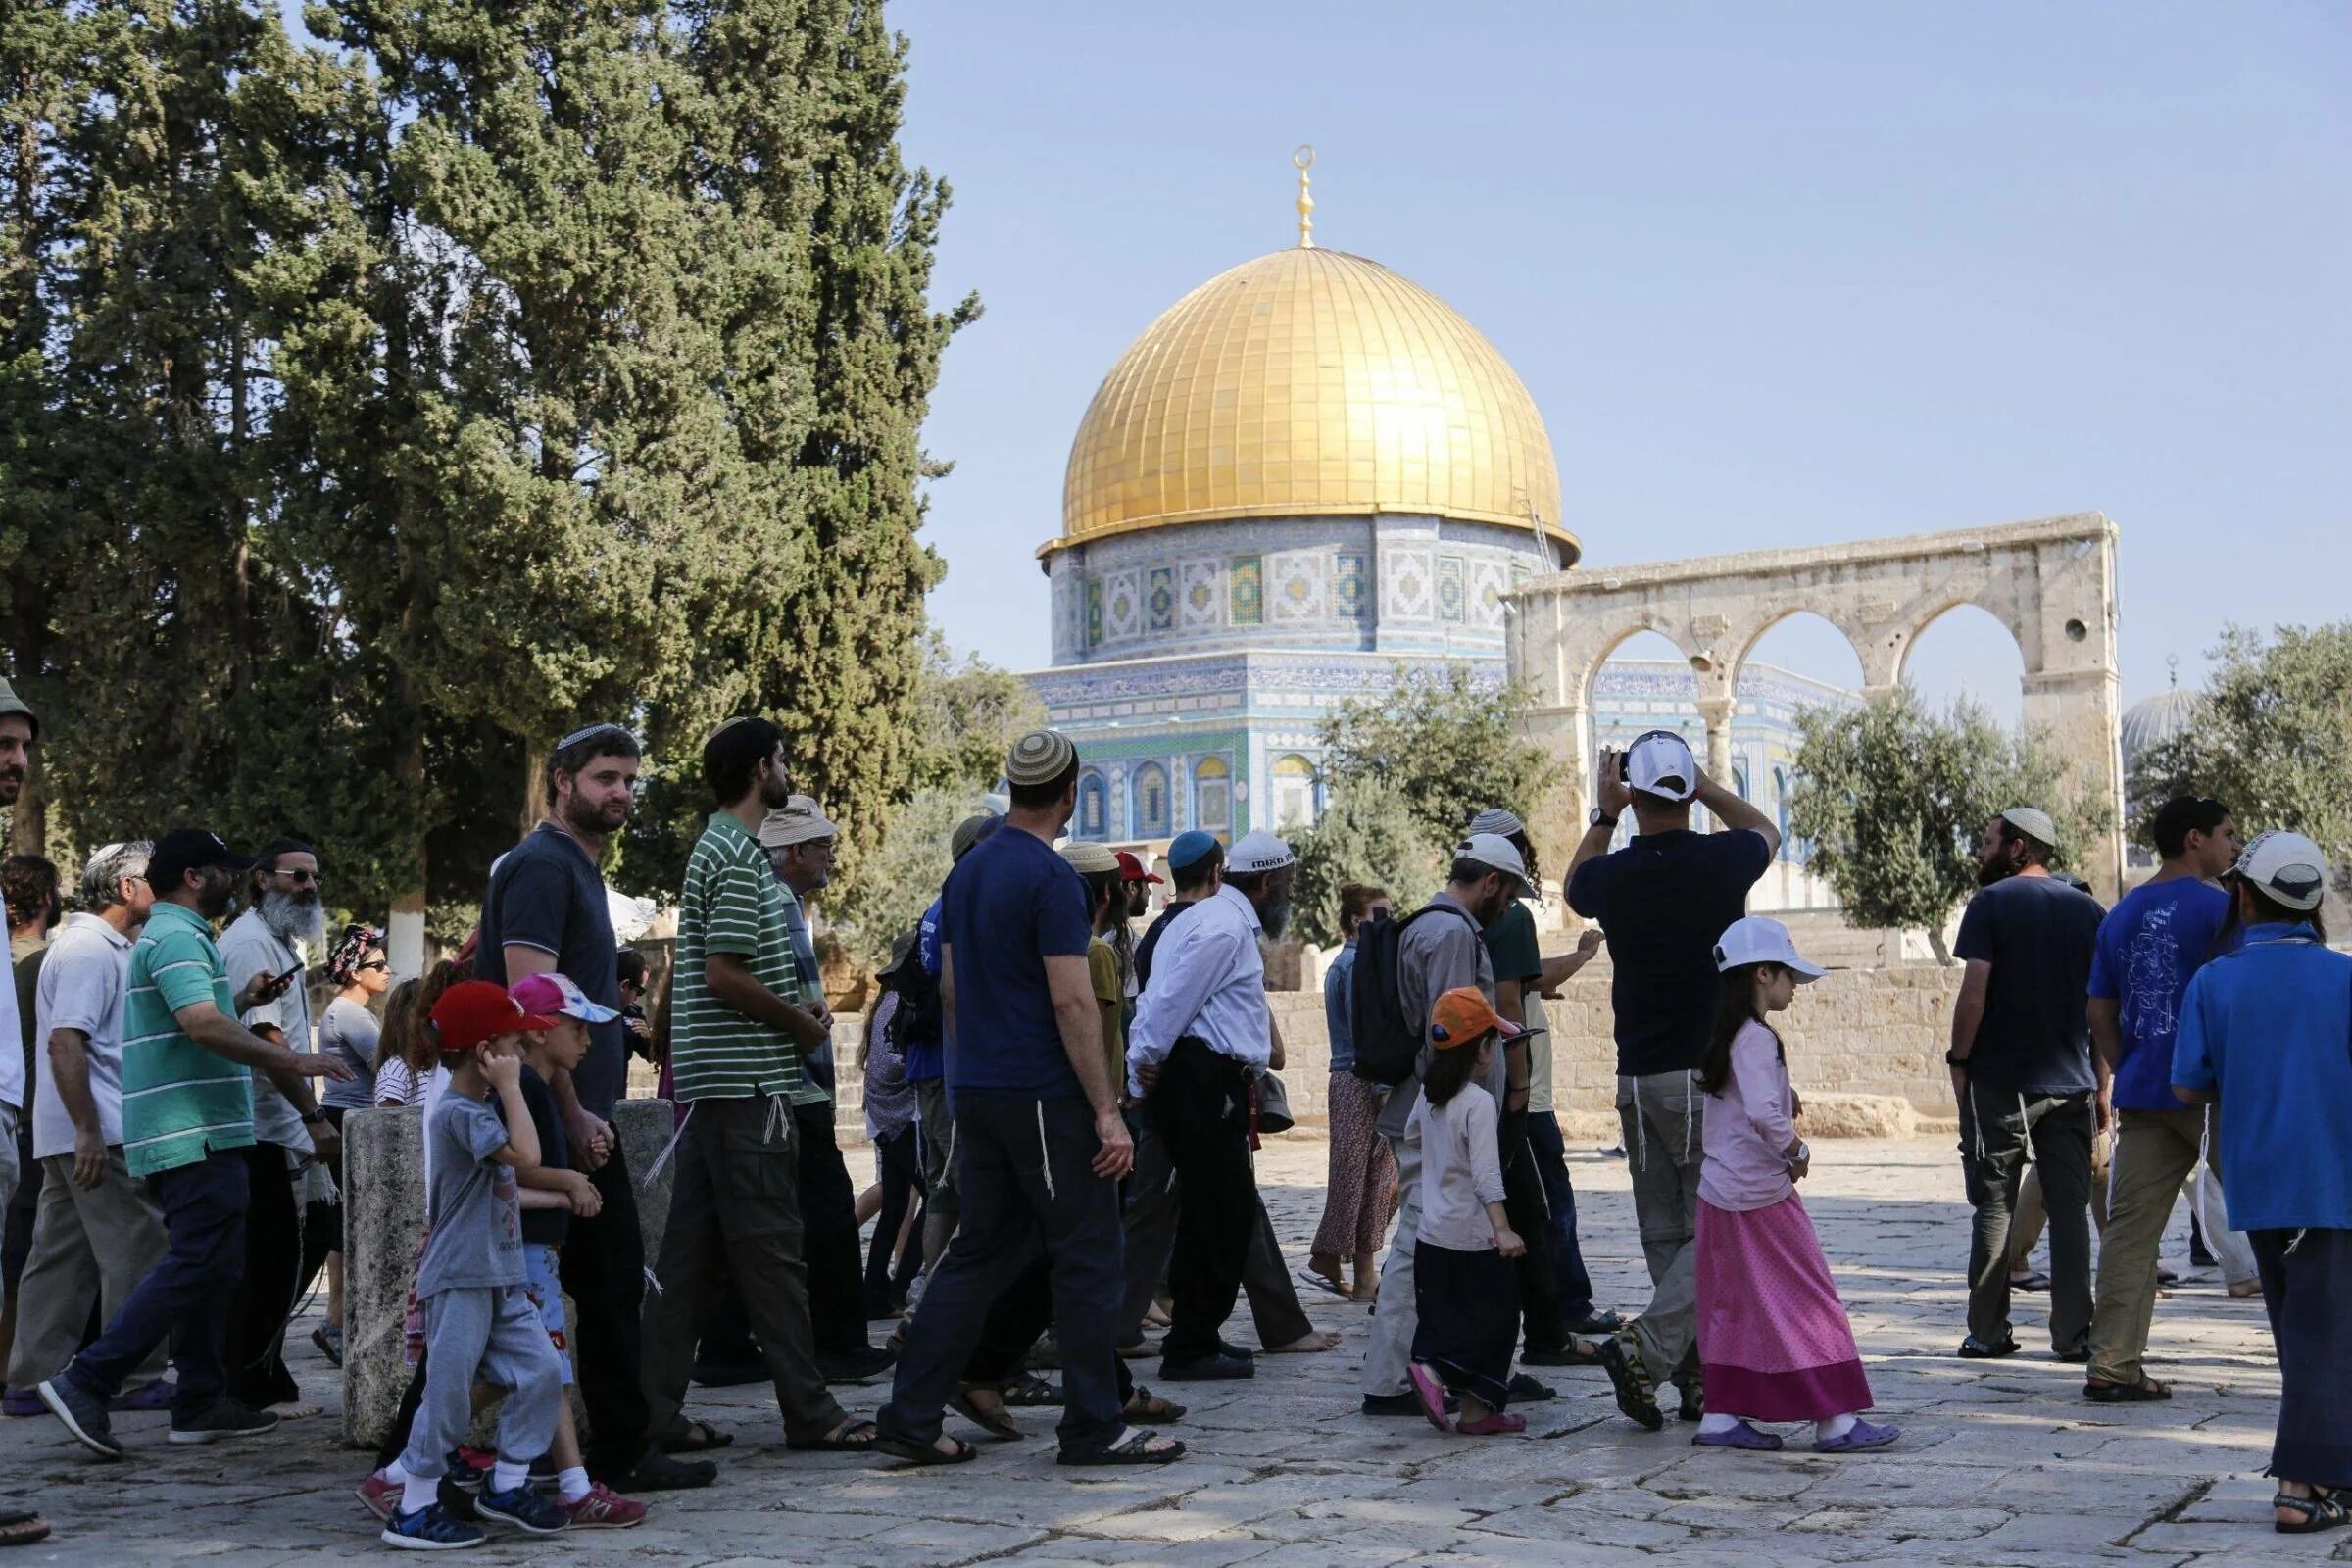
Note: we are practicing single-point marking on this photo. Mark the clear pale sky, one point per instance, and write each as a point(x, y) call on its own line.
point(1776, 273)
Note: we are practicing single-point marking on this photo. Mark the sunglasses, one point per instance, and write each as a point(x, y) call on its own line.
point(301, 879)
point(378, 965)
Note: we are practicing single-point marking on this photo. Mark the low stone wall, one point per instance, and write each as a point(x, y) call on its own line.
point(383, 1217)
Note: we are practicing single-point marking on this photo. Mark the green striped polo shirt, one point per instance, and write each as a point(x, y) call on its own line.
point(179, 1101)
point(732, 903)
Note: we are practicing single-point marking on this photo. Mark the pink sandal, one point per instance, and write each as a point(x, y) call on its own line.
point(1494, 1425)
point(1432, 1395)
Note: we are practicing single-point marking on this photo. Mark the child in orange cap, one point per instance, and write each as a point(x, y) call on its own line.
point(1464, 1289)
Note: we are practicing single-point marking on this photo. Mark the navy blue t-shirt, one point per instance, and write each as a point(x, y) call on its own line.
point(1663, 901)
point(545, 1227)
point(546, 894)
point(1009, 906)
point(2038, 934)
point(2155, 937)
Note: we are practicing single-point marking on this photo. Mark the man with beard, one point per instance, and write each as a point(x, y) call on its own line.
point(741, 1032)
point(1662, 902)
point(262, 949)
point(545, 911)
point(1441, 947)
point(187, 1120)
point(801, 845)
point(2024, 1073)
point(1202, 1032)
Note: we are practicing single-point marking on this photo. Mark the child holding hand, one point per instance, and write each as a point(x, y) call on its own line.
point(1464, 1289)
point(480, 1320)
point(1774, 1343)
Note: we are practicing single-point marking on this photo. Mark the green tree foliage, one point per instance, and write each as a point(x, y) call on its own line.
point(1446, 742)
point(1371, 834)
point(967, 719)
point(2274, 738)
point(883, 891)
point(1894, 798)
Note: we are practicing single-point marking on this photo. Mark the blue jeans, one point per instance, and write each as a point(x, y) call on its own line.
point(1567, 1259)
point(186, 1299)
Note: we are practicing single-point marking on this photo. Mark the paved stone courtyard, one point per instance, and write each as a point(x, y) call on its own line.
point(2000, 1463)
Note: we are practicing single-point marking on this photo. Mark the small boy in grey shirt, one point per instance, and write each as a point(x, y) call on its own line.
point(479, 1323)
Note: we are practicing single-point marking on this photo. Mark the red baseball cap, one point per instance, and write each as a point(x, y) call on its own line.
point(475, 1010)
point(1132, 869)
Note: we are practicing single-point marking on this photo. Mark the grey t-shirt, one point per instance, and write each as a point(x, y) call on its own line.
point(249, 948)
point(474, 1205)
point(348, 1032)
point(1442, 949)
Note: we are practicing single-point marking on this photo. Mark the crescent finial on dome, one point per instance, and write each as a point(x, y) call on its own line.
point(1303, 159)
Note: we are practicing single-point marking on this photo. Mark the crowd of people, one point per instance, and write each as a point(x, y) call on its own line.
point(1065, 1115)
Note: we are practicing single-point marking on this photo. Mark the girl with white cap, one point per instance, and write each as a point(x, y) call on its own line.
point(1773, 1337)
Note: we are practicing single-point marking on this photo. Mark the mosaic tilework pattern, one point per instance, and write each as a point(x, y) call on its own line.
point(1348, 600)
point(1203, 599)
point(1297, 578)
point(1093, 615)
point(1246, 590)
point(1406, 592)
point(1159, 599)
point(1452, 595)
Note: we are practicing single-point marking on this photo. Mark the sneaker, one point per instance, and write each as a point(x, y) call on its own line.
point(1693, 1405)
point(657, 1471)
point(329, 1340)
point(1209, 1369)
point(525, 1510)
point(226, 1419)
point(431, 1529)
point(1527, 1391)
point(466, 1469)
point(379, 1494)
point(1636, 1393)
point(84, 1415)
point(1973, 1348)
point(156, 1395)
point(1596, 1323)
point(23, 1402)
point(603, 1509)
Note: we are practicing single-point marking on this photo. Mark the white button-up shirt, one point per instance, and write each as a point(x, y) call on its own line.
point(1209, 982)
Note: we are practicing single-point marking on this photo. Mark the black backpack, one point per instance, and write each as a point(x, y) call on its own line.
point(920, 1014)
point(1388, 1044)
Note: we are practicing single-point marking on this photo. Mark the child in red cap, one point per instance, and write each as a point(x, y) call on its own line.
point(1464, 1289)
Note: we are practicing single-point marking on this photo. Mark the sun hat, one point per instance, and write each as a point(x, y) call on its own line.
point(795, 821)
point(2289, 869)
point(550, 994)
point(2033, 822)
point(1659, 763)
point(1755, 939)
point(1496, 852)
point(1039, 758)
point(475, 1010)
point(1462, 1015)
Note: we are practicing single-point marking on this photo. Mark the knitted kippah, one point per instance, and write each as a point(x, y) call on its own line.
point(1039, 758)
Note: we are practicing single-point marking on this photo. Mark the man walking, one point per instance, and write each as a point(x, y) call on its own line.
point(99, 1231)
point(1661, 901)
point(801, 846)
point(1203, 1033)
point(263, 951)
point(2150, 945)
point(187, 1117)
point(1042, 1145)
point(923, 1027)
point(2022, 1073)
point(1441, 947)
point(545, 911)
point(739, 1038)
point(2267, 1031)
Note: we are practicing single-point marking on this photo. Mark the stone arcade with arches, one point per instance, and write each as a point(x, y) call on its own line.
point(2052, 583)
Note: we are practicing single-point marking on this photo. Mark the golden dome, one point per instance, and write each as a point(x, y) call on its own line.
point(1310, 382)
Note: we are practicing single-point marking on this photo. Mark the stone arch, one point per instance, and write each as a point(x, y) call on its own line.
point(2050, 582)
point(1962, 612)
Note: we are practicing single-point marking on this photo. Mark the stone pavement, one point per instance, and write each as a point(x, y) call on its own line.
point(2001, 1463)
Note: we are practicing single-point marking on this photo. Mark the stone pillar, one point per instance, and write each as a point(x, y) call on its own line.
point(383, 1216)
point(1558, 820)
point(2078, 713)
point(1717, 713)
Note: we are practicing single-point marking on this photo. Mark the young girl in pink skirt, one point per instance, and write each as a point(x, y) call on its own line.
point(1773, 1339)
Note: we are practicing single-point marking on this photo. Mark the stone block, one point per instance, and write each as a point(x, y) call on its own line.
point(1858, 1117)
point(384, 1221)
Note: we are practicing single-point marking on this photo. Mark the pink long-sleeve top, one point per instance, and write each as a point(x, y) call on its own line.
point(1750, 1125)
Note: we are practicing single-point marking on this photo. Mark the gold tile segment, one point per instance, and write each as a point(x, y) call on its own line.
point(1310, 382)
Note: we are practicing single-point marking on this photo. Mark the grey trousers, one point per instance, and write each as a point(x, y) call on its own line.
point(487, 1335)
point(1997, 1132)
point(1150, 1228)
point(1396, 1319)
point(93, 1245)
point(735, 1201)
point(1662, 1113)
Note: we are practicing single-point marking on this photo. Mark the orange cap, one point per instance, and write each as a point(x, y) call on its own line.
point(1461, 1017)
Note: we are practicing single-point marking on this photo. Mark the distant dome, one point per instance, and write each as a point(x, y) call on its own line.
point(2166, 716)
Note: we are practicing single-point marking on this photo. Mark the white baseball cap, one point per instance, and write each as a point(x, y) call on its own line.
point(1496, 852)
point(1757, 940)
point(1257, 851)
point(2289, 869)
point(1660, 764)
point(2033, 822)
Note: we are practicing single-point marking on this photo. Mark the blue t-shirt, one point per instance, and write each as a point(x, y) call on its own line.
point(2268, 1027)
point(547, 894)
point(926, 1052)
point(1011, 905)
point(1339, 1008)
point(2150, 944)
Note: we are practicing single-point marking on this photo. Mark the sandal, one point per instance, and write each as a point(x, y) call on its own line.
point(21, 1527)
point(1031, 1389)
point(920, 1454)
point(1145, 1406)
point(2036, 1282)
point(2322, 1511)
point(846, 1440)
point(1320, 1281)
point(1140, 1445)
point(998, 1423)
point(2146, 1391)
point(1494, 1424)
point(699, 1437)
